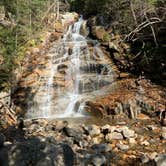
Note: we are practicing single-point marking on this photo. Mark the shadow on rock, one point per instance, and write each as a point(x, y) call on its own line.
point(36, 152)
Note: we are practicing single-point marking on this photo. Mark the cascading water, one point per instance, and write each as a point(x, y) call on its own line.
point(78, 71)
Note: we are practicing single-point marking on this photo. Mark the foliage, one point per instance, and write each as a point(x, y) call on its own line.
point(144, 20)
point(25, 16)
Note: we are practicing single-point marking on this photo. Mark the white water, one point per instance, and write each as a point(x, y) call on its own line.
point(77, 72)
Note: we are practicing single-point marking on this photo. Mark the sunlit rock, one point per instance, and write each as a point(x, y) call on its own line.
point(127, 133)
point(98, 32)
point(123, 147)
point(114, 136)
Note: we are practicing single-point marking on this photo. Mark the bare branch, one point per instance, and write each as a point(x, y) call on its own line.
point(140, 27)
point(152, 29)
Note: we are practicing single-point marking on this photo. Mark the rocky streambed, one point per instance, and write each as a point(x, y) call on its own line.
point(43, 142)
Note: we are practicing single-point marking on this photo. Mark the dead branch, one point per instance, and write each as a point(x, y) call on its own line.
point(152, 29)
point(133, 13)
point(142, 26)
point(46, 14)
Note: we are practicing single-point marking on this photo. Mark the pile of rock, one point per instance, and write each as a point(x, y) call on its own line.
point(59, 143)
point(7, 115)
point(92, 144)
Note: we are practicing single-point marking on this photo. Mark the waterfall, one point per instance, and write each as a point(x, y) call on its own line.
point(77, 71)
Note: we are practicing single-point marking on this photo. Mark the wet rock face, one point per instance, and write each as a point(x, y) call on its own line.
point(130, 100)
point(71, 66)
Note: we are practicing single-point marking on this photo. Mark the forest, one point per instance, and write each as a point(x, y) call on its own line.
point(82, 82)
point(142, 24)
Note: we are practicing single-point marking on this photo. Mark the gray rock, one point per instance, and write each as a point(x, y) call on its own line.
point(114, 136)
point(70, 132)
point(98, 160)
point(83, 143)
point(75, 134)
point(153, 141)
point(161, 160)
point(128, 133)
point(121, 129)
point(122, 147)
point(101, 148)
point(144, 158)
point(93, 130)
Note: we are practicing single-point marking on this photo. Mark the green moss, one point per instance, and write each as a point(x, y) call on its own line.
point(32, 43)
point(106, 37)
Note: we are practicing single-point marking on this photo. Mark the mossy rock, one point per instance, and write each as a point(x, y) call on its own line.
point(106, 37)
